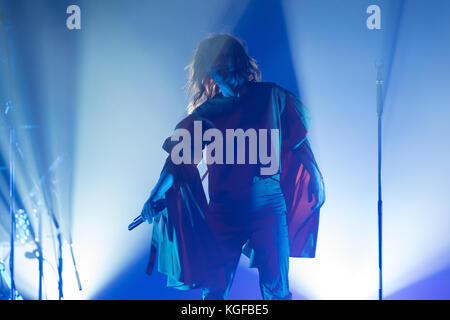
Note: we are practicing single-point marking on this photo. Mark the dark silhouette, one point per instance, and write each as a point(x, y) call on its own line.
point(267, 217)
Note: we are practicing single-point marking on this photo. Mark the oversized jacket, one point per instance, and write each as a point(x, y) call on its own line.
point(182, 241)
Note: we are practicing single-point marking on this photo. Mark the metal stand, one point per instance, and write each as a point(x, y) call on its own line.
point(41, 256)
point(12, 145)
point(379, 84)
point(60, 267)
point(55, 164)
point(12, 200)
point(13, 148)
point(75, 266)
point(59, 237)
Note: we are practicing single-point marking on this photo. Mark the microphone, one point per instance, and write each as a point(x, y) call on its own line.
point(379, 66)
point(157, 206)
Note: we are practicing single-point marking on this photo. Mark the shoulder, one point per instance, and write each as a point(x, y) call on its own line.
point(277, 90)
point(209, 110)
point(285, 92)
point(268, 85)
point(263, 85)
point(282, 95)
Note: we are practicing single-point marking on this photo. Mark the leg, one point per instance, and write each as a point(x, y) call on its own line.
point(228, 230)
point(270, 241)
point(217, 291)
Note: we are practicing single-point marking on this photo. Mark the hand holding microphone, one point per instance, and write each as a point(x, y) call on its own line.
point(152, 208)
point(155, 203)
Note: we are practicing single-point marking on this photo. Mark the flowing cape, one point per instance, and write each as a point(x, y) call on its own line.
point(183, 244)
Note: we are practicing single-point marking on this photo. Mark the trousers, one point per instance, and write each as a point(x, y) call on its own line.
point(256, 216)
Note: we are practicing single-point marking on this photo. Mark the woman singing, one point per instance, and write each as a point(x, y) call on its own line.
point(264, 185)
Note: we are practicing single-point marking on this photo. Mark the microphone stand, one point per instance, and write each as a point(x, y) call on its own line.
point(12, 141)
point(75, 265)
point(41, 255)
point(13, 147)
point(60, 267)
point(77, 275)
point(59, 237)
point(42, 185)
point(379, 84)
point(52, 215)
point(13, 144)
point(12, 200)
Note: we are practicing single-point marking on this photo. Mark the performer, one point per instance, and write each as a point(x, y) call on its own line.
point(268, 217)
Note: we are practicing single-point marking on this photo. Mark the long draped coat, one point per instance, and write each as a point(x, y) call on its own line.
point(182, 241)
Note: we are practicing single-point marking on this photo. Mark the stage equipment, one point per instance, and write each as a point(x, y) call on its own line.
point(379, 85)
